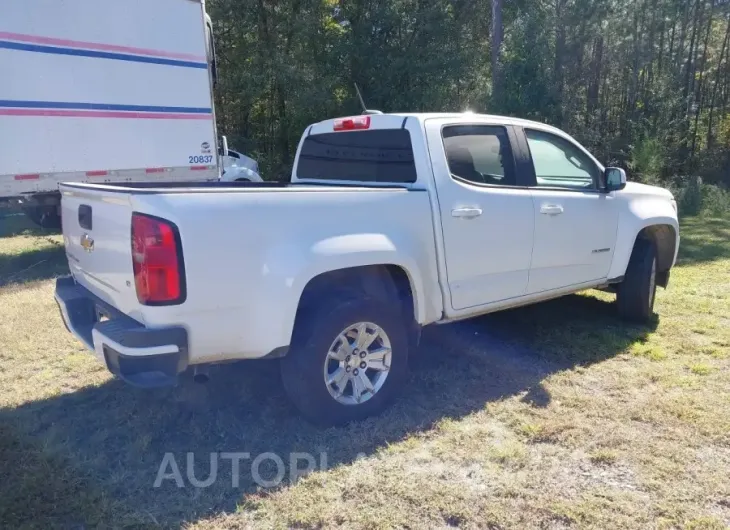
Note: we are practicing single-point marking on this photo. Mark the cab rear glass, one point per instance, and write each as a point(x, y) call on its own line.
point(379, 155)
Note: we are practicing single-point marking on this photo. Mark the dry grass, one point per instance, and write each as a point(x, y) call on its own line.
point(557, 415)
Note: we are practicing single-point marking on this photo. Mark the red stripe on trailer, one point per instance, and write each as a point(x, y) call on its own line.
point(27, 177)
point(154, 170)
point(198, 168)
point(96, 173)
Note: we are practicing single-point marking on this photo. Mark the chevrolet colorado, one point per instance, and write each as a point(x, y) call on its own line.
point(390, 223)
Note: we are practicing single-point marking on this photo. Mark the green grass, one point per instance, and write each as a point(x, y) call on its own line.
point(605, 457)
point(547, 416)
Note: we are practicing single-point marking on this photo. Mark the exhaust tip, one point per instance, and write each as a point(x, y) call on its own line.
point(200, 375)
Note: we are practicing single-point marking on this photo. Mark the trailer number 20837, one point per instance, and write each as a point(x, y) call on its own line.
point(202, 159)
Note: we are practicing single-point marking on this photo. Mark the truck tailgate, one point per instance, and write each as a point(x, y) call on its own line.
point(97, 236)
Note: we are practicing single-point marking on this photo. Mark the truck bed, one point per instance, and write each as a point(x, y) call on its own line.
point(219, 186)
point(247, 250)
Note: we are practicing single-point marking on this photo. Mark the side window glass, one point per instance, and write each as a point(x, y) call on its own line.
point(560, 164)
point(479, 154)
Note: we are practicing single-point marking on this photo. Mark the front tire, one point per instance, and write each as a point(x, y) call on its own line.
point(635, 295)
point(348, 361)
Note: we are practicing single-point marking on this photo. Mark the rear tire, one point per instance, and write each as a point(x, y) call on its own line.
point(635, 295)
point(325, 348)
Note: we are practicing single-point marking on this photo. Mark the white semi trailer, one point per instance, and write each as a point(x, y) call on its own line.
point(103, 91)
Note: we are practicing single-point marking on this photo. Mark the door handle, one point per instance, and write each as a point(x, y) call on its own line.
point(551, 209)
point(466, 213)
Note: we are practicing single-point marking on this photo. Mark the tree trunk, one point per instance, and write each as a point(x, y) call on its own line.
point(683, 33)
point(646, 89)
point(595, 78)
point(559, 59)
point(661, 45)
point(670, 53)
point(698, 89)
point(497, 34)
point(693, 47)
point(710, 137)
point(686, 88)
point(636, 61)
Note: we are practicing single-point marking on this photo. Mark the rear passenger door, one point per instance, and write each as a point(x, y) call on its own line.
point(486, 211)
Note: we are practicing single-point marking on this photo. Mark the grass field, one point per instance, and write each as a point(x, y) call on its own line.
point(553, 416)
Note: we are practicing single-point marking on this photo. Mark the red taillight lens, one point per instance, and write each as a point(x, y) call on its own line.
point(157, 261)
point(352, 124)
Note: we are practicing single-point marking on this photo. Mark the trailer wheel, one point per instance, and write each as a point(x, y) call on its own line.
point(44, 216)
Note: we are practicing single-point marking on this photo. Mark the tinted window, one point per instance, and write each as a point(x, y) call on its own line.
point(559, 163)
point(479, 154)
point(383, 155)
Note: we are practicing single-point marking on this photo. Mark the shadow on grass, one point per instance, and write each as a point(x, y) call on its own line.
point(39, 263)
point(28, 252)
point(108, 442)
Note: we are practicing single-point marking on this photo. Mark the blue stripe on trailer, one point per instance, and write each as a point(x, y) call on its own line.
point(99, 106)
point(20, 46)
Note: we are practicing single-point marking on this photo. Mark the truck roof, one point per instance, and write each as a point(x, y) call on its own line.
point(503, 120)
point(416, 122)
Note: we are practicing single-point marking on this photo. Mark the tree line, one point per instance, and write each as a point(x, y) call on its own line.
point(644, 84)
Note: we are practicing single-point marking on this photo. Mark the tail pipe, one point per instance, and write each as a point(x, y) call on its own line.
point(201, 374)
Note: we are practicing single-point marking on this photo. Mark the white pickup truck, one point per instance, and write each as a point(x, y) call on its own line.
point(390, 223)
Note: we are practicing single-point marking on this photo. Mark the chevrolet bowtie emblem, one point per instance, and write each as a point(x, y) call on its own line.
point(87, 243)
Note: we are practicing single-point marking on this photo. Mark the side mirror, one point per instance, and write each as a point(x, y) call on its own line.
point(615, 178)
point(223, 151)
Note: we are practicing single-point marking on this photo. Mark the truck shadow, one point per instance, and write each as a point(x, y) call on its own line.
point(109, 441)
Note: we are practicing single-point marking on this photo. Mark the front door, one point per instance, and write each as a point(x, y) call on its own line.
point(486, 217)
point(575, 223)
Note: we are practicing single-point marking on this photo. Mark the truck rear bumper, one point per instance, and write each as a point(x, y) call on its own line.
point(140, 356)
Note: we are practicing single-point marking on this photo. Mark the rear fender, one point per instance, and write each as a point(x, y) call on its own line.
point(294, 267)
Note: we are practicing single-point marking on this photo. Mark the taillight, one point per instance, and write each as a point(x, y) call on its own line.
point(159, 275)
point(352, 124)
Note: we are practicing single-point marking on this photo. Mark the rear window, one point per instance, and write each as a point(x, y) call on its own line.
point(381, 155)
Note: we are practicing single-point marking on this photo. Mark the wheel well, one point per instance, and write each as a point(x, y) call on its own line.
point(242, 180)
point(383, 282)
point(664, 239)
